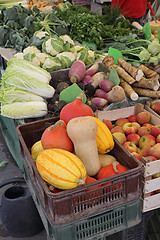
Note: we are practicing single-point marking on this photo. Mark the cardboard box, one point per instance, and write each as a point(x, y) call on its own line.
point(150, 201)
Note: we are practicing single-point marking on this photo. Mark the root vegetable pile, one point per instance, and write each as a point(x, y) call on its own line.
point(140, 81)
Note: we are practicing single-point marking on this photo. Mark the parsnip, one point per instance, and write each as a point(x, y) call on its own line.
point(108, 61)
point(147, 92)
point(151, 83)
point(148, 72)
point(122, 73)
point(136, 73)
point(128, 90)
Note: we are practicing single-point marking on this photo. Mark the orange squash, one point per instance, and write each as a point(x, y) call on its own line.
point(56, 136)
point(61, 168)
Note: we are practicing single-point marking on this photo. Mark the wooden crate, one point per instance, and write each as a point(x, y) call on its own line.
point(150, 201)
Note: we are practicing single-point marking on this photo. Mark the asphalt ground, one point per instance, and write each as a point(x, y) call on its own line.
point(11, 170)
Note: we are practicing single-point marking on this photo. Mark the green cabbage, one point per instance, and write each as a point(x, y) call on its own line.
point(29, 69)
point(10, 95)
point(20, 110)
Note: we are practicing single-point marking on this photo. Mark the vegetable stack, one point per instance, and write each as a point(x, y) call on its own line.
point(24, 90)
point(136, 82)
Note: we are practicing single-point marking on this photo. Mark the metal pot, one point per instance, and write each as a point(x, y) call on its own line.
point(19, 214)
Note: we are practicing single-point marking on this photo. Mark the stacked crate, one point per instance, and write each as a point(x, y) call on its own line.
point(79, 214)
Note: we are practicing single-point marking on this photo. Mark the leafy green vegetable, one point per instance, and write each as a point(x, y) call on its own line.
point(10, 95)
point(53, 45)
point(26, 76)
point(19, 110)
point(27, 68)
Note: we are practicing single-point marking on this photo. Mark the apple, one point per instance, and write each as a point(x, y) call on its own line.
point(136, 155)
point(143, 131)
point(136, 124)
point(151, 157)
point(108, 123)
point(156, 107)
point(143, 117)
point(129, 128)
point(117, 129)
point(148, 125)
point(132, 118)
point(155, 151)
point(155, 130)
point(145, 151)
point(120, 137)
point(131, 147)
point(147, 140)
point(133, 137)
point(121, 121)
point(158, 139)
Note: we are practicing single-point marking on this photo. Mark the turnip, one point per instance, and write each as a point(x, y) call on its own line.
point(106, 85)
point(87, 79)
point(92, 70)
point(100, 93)
point(77, 71)
point(97, 78)
point(99, 102)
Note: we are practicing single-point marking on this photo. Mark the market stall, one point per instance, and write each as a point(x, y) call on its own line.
point(80, 115)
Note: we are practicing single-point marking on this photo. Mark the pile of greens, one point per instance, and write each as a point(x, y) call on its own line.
point(18, 25)
point(92, 27)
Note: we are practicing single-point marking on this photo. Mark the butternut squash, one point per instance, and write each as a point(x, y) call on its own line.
point(82, 131)
point(60, 168)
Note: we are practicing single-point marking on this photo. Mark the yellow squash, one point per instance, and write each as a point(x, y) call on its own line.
point(36, 150)
point(60, 168)
point(104, 138)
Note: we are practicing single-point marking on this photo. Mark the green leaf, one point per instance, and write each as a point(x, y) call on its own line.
point(116, 54)
point(147, 31)
point(113, 77)
point(3, 164)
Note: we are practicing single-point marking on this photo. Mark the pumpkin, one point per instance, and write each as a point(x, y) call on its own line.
point(36, 149)
point(75, 109)
point(61, 168)
point(56, 136)
point(82, 131)
point(111, 170)
point(104, 138)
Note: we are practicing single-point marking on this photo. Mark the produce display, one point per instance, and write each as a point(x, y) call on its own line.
point(81, 156)
point(106, 62)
